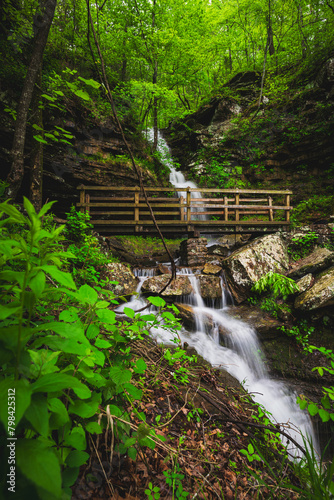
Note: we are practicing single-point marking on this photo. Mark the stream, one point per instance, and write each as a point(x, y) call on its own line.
point(241, 356)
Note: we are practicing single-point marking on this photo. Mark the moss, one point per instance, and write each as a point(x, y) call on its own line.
point(140, 245)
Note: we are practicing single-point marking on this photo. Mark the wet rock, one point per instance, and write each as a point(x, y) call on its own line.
point(180, 286)
point(320, 295)
point(127, 282)
point(248, 264)
point(187, 315)
point(305, 282)
point(162, 269)
point(218, 250)
point(313, 263)
point(193, 251)
point(210, 287)
point(265, 325)
point(210, 268)
point(233, 240)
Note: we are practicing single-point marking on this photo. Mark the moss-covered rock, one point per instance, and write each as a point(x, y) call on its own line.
point(320, 295)
point(248, 264)
point(178, 287)
point(318, 260)
point(127, 282)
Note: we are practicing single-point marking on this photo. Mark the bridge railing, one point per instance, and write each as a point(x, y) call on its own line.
point(111, 206)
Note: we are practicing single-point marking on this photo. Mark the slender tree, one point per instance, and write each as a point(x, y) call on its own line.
point(43, 20)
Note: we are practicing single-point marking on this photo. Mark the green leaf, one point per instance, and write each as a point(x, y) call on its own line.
point(140, 366)
point(92, 331)
point(39, 138)
point(157, 301)
point(37, 414)
point(69, 316)
point(39, 464)
point(76, 458)
point(54, 382)
point(324, 415)
point(48, 98)
point(37, 284)
point(312, 409)
point(250, 448)
point(20, 390)
point(77, 439)
point(132, 453)
point(129, 312)
point(133, 391)
point(63, 278)
point(93, 428)
point(88, 294)
point(86, 409)
point(106, 316)
point(91, 82)
point(119, 375)
point(6, 311)
point(70, 475)
point(59, 415)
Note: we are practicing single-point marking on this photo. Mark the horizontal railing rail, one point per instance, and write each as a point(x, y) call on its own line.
point(111, 206)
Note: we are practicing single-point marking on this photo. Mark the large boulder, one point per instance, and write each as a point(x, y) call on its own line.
point(318, 260)
point(127, 282)
point(179, 286)
point(321, 294)
point(210, 288)
point(210, 268)
point(248, 264)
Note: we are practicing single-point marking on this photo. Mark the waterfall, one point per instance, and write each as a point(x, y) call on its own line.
point(176, 178)
point(243, 359)
point(241, 355)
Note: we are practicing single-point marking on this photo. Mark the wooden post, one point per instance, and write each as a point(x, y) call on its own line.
point(237, 202)
point(287, 204)
point(271, 212)
point(225, 209)
point(182, 200)
point(188, 205)
point(136, 211)
point(82, 197)
point(87, 199)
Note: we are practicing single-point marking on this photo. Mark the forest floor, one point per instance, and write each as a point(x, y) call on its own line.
point(209, 436)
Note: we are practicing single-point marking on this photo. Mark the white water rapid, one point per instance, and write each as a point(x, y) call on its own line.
point(241, 357)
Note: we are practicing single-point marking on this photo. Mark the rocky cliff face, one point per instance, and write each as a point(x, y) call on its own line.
point(288, 143)
point(95, 156)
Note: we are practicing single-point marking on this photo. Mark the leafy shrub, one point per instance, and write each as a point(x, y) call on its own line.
point(57, 368)
point(277, 284)
point(315, 208)
point(302, 245)
point(77, 226)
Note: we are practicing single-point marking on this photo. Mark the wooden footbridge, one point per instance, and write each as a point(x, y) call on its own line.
point(122, 210)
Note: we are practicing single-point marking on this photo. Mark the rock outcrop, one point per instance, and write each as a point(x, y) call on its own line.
point(126, 281)
point(320, 295)
point(210, 288)
point(318, 260)
point(180, 286)
point(247, 265)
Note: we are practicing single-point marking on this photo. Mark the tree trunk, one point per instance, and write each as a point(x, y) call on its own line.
point(43, 25)
point(36, 162)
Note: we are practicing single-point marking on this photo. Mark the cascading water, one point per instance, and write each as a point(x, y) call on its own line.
point(176, 178)
point(241, 357)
